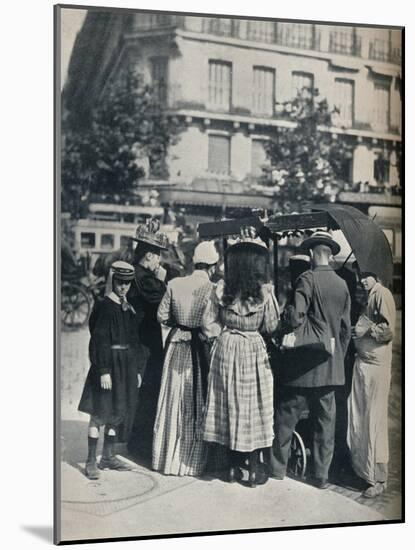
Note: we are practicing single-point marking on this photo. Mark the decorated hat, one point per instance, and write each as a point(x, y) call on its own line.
point(149, 233)
point(122, 271)
point(320, 237)
point(205, 253)
point(248, 235)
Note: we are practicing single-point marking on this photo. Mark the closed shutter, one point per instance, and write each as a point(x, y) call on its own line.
point(258, 157)
point(381, 105)
point(219, 154)
point(263, 91)
point(344, 101)
point(220, 74)
point(299, 81)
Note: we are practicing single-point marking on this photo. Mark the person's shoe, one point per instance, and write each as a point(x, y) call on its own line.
point(257, 477)
point(320, 483)
point(91, 470)
point(114, 463)
point(234, 475)
point(374, 490)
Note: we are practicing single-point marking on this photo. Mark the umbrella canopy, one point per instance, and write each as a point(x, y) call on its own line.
point(367, 240)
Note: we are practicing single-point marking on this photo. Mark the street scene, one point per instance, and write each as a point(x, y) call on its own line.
point(231, 275)
point(140, 503)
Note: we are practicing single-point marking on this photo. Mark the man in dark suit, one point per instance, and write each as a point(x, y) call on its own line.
point(319, 295)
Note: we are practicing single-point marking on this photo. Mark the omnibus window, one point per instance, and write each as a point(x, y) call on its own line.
point(124, 240)
point(107, 241)
point(88, 240)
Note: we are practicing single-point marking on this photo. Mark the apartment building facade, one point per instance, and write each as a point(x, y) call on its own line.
point(228, 78)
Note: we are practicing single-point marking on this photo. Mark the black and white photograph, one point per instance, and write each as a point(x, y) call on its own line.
point(229, 273)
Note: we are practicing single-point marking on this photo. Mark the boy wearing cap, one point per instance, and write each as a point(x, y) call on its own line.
point(178, 447)
point(111, 387)
point(320, 294)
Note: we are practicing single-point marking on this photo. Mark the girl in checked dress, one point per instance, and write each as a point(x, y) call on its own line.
point(239, 409)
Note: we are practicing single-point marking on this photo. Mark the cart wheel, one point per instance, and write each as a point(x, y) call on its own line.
point(75, 306)
point(297, 462)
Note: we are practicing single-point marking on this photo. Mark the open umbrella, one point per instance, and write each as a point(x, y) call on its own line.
point(366, 239)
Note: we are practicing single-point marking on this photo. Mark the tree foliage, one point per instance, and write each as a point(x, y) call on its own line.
point(104, 155)
point(307, 162)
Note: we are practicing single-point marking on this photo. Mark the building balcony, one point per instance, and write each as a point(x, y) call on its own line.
point(303, 36)
point(180, 102)
point(381, 50)
point(345, 43)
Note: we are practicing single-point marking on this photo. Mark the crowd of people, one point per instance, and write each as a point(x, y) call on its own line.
point(205, 374)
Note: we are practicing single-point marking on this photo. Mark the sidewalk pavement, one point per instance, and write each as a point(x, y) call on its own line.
point(145, 503)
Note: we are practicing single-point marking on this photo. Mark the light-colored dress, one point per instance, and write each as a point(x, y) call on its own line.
point(239, 407)
point(178, 447)
point(367, 436)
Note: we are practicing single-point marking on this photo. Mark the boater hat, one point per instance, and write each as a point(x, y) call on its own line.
point(149, 233)
point(122, 271)
point(300, 258)
point(320, 237)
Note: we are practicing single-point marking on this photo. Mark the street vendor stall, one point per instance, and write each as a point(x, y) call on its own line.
point(366, 239)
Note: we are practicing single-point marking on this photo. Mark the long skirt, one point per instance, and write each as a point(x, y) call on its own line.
point(239, 408)
point(178, 447)
point(115, 407)
point(367, 435)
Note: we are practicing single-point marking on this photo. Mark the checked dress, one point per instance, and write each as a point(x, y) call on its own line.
point(178, 447)
point(239, 407)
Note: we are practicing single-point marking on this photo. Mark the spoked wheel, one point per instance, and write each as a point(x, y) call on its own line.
point(297, 462)
point(75, 306)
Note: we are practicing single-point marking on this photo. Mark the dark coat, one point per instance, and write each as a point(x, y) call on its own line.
point(323, 294)
point(145, 295)
point(111, 326)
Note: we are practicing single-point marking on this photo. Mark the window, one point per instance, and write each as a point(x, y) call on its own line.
point(381, 103)
point(219, 154)
point(344, 101)
point(296, 35)
point(220, 77)
point(87, 240)
point(344, 40)
point(380, 47)
point(263, 97)
point(125, 241)
point(381, 169)
point(159, 67)
point(221, 26)
point(258, 157)
point(301, 81)
point(396, 107)
point(107, 241)
point(145, 21)
point(261, 31)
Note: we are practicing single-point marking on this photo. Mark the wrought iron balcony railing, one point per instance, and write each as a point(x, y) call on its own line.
point(382, 50)
point(345, 42)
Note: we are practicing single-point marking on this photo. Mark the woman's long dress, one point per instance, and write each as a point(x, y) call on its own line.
point(239, 408)
point(178, 447)
point(367, 436)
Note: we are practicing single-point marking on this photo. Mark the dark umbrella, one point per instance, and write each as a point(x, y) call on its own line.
point(366, 239)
